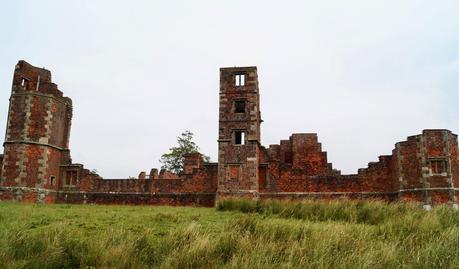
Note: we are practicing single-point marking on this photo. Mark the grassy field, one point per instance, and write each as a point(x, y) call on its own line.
point(236, 234)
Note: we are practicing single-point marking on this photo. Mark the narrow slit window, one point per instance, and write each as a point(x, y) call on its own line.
point(239, 106)
point(23, 82)
point(51, 180)
point(240, 80)
point(239, 138)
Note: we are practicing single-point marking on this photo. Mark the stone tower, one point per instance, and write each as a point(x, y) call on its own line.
point(37, 133)
point(239, 132)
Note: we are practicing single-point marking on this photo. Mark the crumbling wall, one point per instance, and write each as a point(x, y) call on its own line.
point(423, 168)
point(37, 130)
point(428, 167)
point(296, 165)
point(36, 165)
point(197, 177)
point(199, 180)
point(378, 176)
point(299, 165)
point(196, 185)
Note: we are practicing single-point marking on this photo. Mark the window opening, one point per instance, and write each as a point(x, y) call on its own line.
point(240, 80)
point(438, 166)
point(38, 83)
point(71, 177)
point(23, 82)
point(239, 138)
point(239, 106)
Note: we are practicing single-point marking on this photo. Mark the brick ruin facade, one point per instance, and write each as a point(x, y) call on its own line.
point(36, 165)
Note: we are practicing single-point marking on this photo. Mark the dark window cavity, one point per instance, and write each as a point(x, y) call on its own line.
point(239, 106)
point(239, 138)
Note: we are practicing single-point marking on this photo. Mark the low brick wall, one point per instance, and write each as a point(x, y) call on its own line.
point(171, 199)
point(27, 195)
point(43, 196)
point(385, 196)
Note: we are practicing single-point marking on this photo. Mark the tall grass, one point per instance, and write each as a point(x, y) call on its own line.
point(240, 234)
point(353, 211)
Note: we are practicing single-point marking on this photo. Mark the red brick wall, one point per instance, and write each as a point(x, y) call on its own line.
point(300, 165)
point(197, 178)
point(37, 138)
point(34, 155)
point(27, 195)
point(202, 180)
point(37, 129)
point(378, 177)
point(10, 169)
point(6, 195)
point(171, 199)
point(414, 168)
point(238, 164)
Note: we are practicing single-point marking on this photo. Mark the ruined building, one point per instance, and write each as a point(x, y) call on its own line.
point(36, 165)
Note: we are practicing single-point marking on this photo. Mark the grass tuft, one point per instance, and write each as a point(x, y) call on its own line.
point(238, 234)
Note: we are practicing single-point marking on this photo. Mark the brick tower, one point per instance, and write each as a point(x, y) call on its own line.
point(426, 167)
point(239, 132)
point(37, 133)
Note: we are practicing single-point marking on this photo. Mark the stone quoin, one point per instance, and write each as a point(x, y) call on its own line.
point(36, 165)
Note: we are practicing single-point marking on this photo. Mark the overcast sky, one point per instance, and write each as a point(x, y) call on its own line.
point(362, 74)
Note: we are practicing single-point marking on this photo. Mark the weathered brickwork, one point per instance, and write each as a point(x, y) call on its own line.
point(37, 130)
point(134, 198)
point(427, 167)
point(36, 165)
point(423, 168)
point(239, 132)
point(200, 178)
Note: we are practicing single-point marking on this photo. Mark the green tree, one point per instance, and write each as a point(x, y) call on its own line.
point(173, 160)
